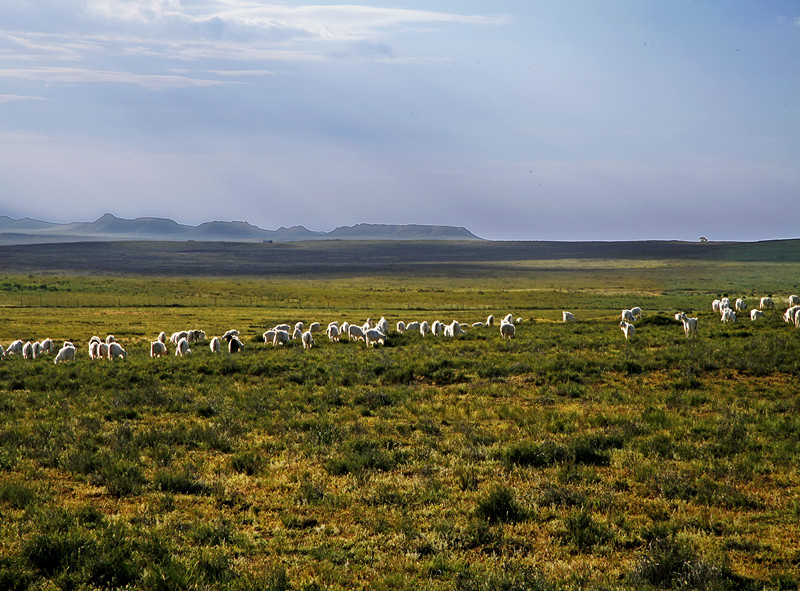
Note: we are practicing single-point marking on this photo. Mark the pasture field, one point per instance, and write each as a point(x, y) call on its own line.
point(566, 458)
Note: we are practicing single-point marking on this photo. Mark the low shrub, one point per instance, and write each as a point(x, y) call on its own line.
point(500, 506)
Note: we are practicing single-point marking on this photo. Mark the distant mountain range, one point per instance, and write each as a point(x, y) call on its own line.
point(111, 228)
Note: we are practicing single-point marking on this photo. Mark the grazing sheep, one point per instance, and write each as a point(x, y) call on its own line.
point(269, 336)
point(94, 350)
point(728, 315)
point(281, 337)
point(689, 324)
point(724, 303)
point(637, 312)
point(567, 316)
point(374, 336)
point(412, 326)
point(740, 305)
point(333, 333)
point(478, 325)
point(230, 334)
point(157, 349)
point(47, 346)
point(162, 337)
point(27, 350)
point(755, 314)
point(490, 320)
point(424, 328)
point(315, 327)
point(507, 330)
point(182, 348)
point(2, 352)
point(788, 316)
point(235, 345)
point(766, 303)
point(509, 318)
point(196, 336)
point(297, 334)
point(344, 329)
point(175, 337)
point(37, 350)
point(308, 339)
point(627, 328)
point(15, 347)
point(215, 345)
point(383, 325)
point(453, 329)
point(715, 306)
point(299, 326)
point(627, 316)
point(437, 328)
point(66, 353)
point(110, 339)
point(401, 326)
point(285, 327)
point(115, 351)
point(794, 300)
point(355, 332)
point(797, 319)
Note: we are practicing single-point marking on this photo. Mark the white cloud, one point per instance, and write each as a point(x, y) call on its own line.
point(83, 75)
point(7, 98)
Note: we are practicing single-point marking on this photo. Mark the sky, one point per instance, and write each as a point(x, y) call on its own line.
point(517, 119)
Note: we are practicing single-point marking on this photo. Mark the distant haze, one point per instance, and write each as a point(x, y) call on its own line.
point(516, 119)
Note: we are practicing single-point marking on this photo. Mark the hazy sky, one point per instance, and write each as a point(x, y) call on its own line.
point(518, 119)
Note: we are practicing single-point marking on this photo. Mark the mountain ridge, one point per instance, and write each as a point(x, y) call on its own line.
point(109, 227)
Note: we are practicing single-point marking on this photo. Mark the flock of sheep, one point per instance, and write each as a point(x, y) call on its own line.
point(372, 333)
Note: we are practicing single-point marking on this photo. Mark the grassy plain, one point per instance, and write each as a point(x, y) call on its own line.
point(564, 459)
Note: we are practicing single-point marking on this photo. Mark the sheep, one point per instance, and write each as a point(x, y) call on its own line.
point(196, 336)
point(235, 345)
point(182, 349)
point(175, 337)
point(567, 316)
point(269, 336)
point(230, 334)
point(627, 329)
point(401, 326)
point(490, 320)
point(15, 347)
point(299, 326)
point(344, 329)
point(355, 332)
point(297, 334)
point(47, 346)
point(308, 339)
point(27, 350)
point(285, 327)
point(637, 312)
point(507, 330)
point(478, 325)
point(374, 336)
point(157, 349)
point(66, 353)
point(437, 328)
point(281, 337)
point(740, 305)
point(110, 339)
point(424, 328)
point(755, 314)
point(689, 324)
point(454, 329)
point(794, 300)
point(315, 327)
point(95, 339)
point(797, 319)
point(766, 303)
point(715, 306)
point(788, 316)
point(94, 350)
point(162, 337)
point(728, 315)
point(333, 333)
point(215, 345)
point(115, 351)
point(509, 318)
point(627, 316)
point(724, 303)
point(383, 325)
point(519, 320)
point(412, 326)
point(2, 352)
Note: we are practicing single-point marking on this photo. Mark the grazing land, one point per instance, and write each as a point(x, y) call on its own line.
point(566, 458)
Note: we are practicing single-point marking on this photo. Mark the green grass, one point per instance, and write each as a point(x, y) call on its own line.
point(564, 459)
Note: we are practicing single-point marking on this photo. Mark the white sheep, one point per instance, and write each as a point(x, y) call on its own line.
point(728, 315)
point(689, 324)
point(507, 330)
point(315, 327)
point(297, 335)
point(175, 337)
point(637, 312)
point(94, 349)
point(788, 316)
point(715, 306)
point(110, 339)
point(344, 329)
point(454, 329)
point(15, 347)
point(478, 325)
point(424, 328)
point(333, 333)
point(412, 326)
point(285, 327)
point(797, 319)
point(755, 314)
point(794, 300)
point(115, 351)
point(215, 345)
point(235, 345)
point(490, 320)
point(157, 349)
point(437, 328)
point(269, 335)
point(355, 332)
point(401, 326)
point(374, 336)
point(281, 337)
point(230, 334)
point(27, 350)
point(47, 346)
point(308, 339)
point(567, 316)
point(740, 305)
point(383, 325)
point(66, 353)
point(508, 318)
point(627, 328)
point(182, 349)
point(162, 337)
point(299, 326)
point(2, 352)
point(37, 350)
point(724, 303)
point(766, 303)
point(627, 316)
